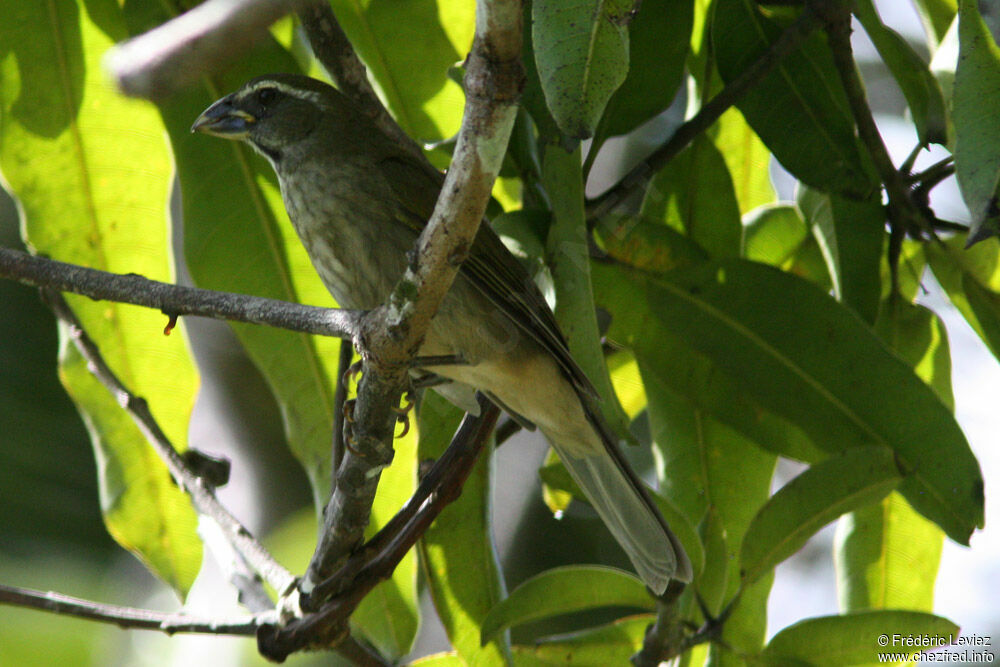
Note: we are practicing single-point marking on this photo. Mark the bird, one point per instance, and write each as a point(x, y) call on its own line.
point(358, 201)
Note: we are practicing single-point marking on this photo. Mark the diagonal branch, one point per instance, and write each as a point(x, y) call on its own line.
point(197, 43)
point(376, 561)
point(202, 496)
point(130, 617)
point(175, 300)
point(332, 48)
point(733, 92)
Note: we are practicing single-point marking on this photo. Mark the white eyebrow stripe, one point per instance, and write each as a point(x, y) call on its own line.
point(308, 95)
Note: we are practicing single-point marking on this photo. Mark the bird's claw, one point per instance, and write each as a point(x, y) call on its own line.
point(352, 372)
point(349, 411)
point(403, 412)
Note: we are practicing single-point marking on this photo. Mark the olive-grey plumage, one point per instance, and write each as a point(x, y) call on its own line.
point(358, 202)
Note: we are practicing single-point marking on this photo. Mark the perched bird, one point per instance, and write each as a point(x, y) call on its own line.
point(358, 201)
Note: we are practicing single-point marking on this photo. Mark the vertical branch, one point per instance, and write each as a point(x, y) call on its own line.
point(391, 335)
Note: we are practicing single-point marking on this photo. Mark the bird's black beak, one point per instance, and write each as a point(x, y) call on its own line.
point(224, 119)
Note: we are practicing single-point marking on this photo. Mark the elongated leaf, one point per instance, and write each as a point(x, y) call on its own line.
point(457, 552)
point(799, 109)
point(408, 47)
point(581, 52)
point(791, 348)
point(937, 16)
point(854, 639)
point(611, 644)
point(647, 244)
point(977, 137)
point(773, 234)
point(659, 36)
point(568, 255)
point(694, 194)
point(921, 89)
point(676, 367)
point(719, 479)
point(887, 555)
point(826, 490)
point(850, 235)
point(563, 590)
point(972, 280)
point(747, 158)
point(91, 172)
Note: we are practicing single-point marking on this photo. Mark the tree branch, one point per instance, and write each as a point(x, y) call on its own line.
point(130, 617)
point(175, 300)
point(903, 212)
point(202, 496)
point(391, 335)
point(376, 561)
point(733, 92)
point(197, 43)
point(332, 48)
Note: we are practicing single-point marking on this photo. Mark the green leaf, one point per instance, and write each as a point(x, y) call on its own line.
point(647, 244)
point(673, 366)
point(937, 16)
point(747, 159)
point(582, 55)
point(658, 40)
point(563, 590)
point(773, 233)
point(850, 235)
point(854, 639)
point(568, 255)
point(921, 89)
point(408, 46)
point(718, 479)
point(887, 555)
point(92, 174)
point(971, 279)
point(977, 136)
point(457, 552)
point(799, 109)
point(611, 644)
point(694, 194)
point(840, 484)
point(799, 354)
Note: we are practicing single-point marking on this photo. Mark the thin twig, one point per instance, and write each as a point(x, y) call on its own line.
point(197, 43)
point(903, 212)
point(733, 92)
point(130, 617)
point(376, 561)
point(202, 496)
point(175, 300)
point(332, 48)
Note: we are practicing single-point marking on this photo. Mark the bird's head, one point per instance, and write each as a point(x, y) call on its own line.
point(275, 113)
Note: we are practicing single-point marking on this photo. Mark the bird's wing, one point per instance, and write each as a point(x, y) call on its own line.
point(490, 266)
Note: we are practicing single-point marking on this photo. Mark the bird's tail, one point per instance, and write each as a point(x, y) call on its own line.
point(622, 502)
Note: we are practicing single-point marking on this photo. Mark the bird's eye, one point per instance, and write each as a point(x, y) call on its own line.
point(266, 95)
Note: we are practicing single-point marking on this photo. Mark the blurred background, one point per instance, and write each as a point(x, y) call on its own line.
point(52, 537)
